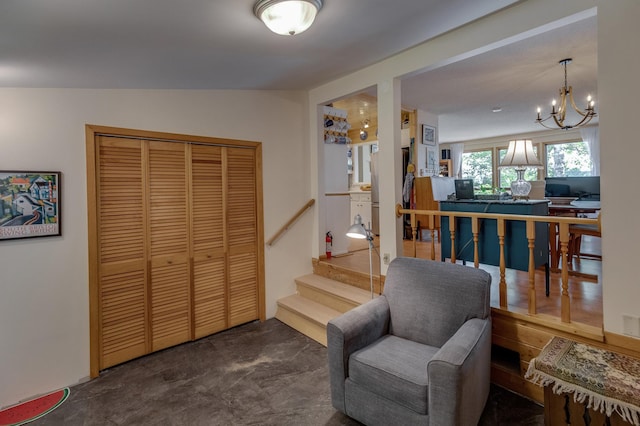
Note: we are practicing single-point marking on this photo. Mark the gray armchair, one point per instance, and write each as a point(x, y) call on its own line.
point(420, 353)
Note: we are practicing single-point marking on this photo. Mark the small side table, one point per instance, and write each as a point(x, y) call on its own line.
point(585, 385)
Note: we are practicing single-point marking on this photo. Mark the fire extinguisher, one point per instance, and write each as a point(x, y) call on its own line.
point(329, 240)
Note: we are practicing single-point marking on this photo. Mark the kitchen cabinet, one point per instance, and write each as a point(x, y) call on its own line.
point(361, 204)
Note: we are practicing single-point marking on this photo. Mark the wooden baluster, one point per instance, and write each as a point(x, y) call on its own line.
point(452, 231)
point(531, 239)
point(475, 231)
point(503, 282)
point(414, 234)
point(565, 301)
point(433, 237)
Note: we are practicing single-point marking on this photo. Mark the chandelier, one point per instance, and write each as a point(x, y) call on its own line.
point(558, 114)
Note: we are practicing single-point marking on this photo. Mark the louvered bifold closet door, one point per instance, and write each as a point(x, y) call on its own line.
point(169, 244)
point(208, 219)
point(242, 235)
point(121, 250)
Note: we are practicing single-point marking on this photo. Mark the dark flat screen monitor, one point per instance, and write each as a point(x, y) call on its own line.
point(464, 189)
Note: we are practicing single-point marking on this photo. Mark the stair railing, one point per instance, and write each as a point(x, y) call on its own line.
point(291, 221)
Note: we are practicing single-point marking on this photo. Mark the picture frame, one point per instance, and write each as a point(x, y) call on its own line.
point(429, 135)
point(433, 164)
point(29, 204)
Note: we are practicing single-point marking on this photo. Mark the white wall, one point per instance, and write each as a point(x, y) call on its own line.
point(618, 92)
point(44, 308)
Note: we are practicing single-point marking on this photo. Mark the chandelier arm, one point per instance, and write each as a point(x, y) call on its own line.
point(544, 125)
point(586, 119)
point(559, 122)
point(562, 109)
point(573, 104)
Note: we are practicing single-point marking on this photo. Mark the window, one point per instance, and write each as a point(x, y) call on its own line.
point(478, 165)
point(568, 159)
point(508, 174)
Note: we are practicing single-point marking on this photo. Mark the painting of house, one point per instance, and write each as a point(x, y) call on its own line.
point(29, 204)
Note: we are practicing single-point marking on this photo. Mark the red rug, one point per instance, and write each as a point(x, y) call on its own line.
point(31, 410)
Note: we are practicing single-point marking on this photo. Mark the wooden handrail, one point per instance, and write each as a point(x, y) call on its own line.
point(562, 223)
point(291, 221)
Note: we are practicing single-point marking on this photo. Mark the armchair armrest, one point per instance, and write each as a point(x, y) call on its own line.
point(459, 375)
point(348, 333)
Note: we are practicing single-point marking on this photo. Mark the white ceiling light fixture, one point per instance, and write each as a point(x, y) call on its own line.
point(287, 17)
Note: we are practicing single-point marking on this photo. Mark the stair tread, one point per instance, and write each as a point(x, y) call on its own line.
point(336, 288)
point(309, 309)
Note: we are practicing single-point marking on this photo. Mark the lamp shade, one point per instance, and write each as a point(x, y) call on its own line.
point(520, 154)
point(287, 17)
point(357, 230)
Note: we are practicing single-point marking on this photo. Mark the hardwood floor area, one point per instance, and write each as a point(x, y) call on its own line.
point(585, 293)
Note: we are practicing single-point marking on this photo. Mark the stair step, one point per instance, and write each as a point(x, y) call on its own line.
point(307, 316)
point(339, 296)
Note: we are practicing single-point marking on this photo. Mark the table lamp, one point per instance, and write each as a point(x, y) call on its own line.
point(520, 155)
point(359, 232)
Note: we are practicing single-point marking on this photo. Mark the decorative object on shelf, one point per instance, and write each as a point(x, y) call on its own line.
point(336, 126)
point(359, 232)
point(428, 135)
point(287, 17)
point(520, 155)
point(559, 114)
point(29, 204)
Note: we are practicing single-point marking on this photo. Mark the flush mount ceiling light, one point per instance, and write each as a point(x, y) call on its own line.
point(287, 17)
point(559, 114)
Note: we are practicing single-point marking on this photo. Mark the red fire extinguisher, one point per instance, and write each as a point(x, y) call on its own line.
point(329, 240)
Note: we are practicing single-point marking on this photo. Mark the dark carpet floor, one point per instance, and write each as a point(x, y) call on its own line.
point(255, 374)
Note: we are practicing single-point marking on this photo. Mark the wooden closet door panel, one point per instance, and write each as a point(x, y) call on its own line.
point(121, 251)
point(208, 212)
point(169, 244)
point(209, 296)
point(208, 235)
point(241, 197)
point(243, 288)
point(242, 235)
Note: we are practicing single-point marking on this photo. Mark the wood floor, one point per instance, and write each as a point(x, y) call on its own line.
point(586, 294)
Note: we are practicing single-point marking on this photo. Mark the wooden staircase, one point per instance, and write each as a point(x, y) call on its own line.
point(318, 299)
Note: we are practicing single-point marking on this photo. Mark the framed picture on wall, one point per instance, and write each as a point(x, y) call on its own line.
point(29, 204)
point(433, 164)
point(428, 135)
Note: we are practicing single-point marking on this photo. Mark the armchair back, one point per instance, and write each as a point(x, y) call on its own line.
point(431, 314)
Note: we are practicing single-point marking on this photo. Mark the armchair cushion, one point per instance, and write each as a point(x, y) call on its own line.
point(396, 368)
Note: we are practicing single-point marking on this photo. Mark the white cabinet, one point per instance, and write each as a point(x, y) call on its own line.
point(361, 204)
